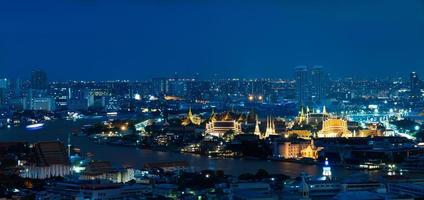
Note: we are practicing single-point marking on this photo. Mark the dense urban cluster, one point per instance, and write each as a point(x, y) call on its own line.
point(311, 119)
point(311, 87)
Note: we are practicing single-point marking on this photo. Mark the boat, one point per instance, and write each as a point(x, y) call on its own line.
point(37, 126)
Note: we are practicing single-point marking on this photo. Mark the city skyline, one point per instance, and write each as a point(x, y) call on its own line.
point(291, 76)
point(156, 39)
point(212, 99)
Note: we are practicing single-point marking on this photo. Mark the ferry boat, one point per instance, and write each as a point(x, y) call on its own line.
point(36, 126)
point(371, 165)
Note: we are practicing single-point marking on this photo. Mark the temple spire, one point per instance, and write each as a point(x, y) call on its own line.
point(270, 128)
point(190, 114)
point(257, 130)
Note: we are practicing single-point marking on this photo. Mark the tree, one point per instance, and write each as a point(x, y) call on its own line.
point(406, 124)
point(420, 135)
point(229, 135)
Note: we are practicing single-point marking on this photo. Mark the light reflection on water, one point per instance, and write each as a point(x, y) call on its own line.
point(59, 130)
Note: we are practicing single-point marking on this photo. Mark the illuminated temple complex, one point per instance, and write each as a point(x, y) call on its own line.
point(191, 119)
point(334, 127)
point(323, 125)
point(270, 128)
point(218, 125)
point(310, 117)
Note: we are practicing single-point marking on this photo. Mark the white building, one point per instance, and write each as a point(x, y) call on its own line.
point(40, 103)
point(49, 160)
point(88, 190)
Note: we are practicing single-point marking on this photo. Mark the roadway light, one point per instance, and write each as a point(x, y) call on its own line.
point(137, 97)
point(260, 98)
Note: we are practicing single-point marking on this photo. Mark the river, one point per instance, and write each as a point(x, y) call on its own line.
point(120, 155)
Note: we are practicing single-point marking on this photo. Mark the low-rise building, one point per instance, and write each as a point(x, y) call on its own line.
point(298, 148)
point(168, 166)
point(103, 170)
point(49, 159)
point(97, 191)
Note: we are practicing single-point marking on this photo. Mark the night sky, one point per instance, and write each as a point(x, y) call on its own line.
point(134, 39)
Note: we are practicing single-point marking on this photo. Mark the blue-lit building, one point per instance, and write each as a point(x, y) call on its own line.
point(4, 86)
point(311, 85)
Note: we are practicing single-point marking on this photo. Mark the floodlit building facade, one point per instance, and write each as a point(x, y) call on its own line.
point(49, 160)
point(334, 127)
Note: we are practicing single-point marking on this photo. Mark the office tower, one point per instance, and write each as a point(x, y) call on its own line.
point(4, 83)
point(302, 84)
point(178, 87)
point(40, 103)
point(39, 80)
point(160, 86)
point(98, 97)
point(4, 86)
point(317, 84)
point(311, 84)
point(16, 87)
point(415, 86)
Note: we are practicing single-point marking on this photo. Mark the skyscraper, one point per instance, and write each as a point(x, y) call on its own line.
point(415, 86)
point(311, 84)
point(4, 86)
point(16, 87)
point(39, 80)
point(4, 83)
point(160, 86)
point(318, 84)
point(302, 84)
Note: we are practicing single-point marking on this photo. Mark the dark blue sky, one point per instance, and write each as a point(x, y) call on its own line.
point(135, 39)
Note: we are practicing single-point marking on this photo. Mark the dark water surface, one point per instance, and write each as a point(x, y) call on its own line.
point(59, 130)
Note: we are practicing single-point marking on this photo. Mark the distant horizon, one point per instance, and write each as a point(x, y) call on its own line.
point(200, 77)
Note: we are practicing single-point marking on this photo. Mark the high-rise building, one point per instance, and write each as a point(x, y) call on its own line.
point(178, 87)
point(40, 103)
point(16, 87)
point(160, 86)
point(4, 83)
point(415, 86)
point(318, 84)
point(302, 84)
point(311, 84)
point(39, 80)
point(4, 86)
